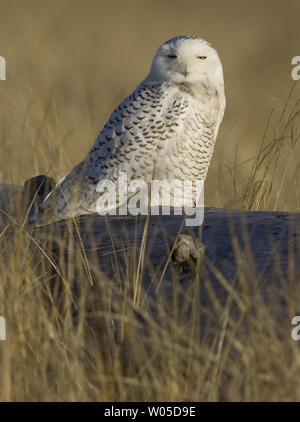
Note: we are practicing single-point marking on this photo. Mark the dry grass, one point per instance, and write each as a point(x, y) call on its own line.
point(114, 342)
point(63, 70)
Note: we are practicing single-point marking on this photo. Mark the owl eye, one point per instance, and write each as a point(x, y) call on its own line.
point(172, 56)
point(201, 57)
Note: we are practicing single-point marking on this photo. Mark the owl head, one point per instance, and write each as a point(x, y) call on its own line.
point(186, 59)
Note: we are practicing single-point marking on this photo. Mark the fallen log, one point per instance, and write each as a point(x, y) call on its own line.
point(261, 248)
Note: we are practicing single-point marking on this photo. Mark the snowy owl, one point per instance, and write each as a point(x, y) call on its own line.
point(166, 129)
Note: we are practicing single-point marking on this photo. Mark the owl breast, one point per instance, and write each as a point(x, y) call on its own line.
point(190, 152)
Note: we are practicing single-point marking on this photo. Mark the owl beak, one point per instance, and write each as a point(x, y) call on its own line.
point(183, 70)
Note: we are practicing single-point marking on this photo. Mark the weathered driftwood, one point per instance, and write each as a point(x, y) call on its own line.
point(17, 201)
point(262, 248)
point(263, 243)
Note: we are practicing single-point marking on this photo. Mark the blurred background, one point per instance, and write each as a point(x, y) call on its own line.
point(70, 62)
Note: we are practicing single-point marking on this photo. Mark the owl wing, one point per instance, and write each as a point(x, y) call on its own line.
point(143, 124)
point(136, 131)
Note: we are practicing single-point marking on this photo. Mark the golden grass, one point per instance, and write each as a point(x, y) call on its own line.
point(106, 343)
point(67, 69)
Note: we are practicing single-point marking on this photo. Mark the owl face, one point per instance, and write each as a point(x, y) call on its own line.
point(186, 60)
